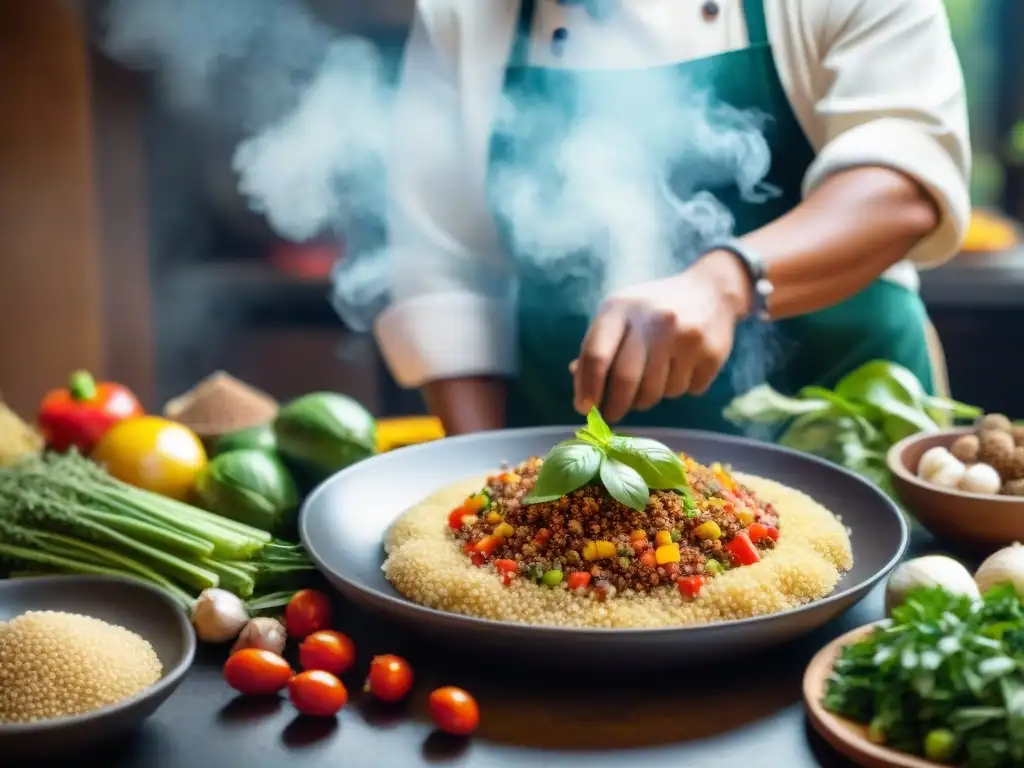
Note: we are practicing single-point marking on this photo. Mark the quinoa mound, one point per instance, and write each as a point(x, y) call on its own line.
point(585, 560)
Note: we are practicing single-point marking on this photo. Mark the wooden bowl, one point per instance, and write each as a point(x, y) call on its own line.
point(845, 736)
point(968, 520)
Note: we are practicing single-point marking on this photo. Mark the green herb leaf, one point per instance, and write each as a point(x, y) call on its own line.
point(764, 405)
point(624, 484)
point(597, 426)
point(658, 465)
point(570, 465)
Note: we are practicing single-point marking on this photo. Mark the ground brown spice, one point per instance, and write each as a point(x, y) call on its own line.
point(220, 404)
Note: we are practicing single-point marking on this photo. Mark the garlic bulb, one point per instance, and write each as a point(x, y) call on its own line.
point(218, 616)
point(1004, 567)
point(263, 633)
point(930, 571)
point(933, 460)
point(981, 478)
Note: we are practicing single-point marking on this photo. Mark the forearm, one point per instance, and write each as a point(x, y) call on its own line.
point(470, 404)
point(843, 237)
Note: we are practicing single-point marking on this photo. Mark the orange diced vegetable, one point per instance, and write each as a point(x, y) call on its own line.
point(542, 537)
point(578, 580)
point(742, 549)
point(598, 550)
point(507, 478)
point(690, 586)
point(669, 553)
point(649, 559)
point(640, 545)
point(487, 545)
point(638, 535)
point(744, 516)
point(476, 502)
point(661, 538)
point(757, 532)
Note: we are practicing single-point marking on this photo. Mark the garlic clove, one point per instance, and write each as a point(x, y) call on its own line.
point(948, 475)
point(1003, 567)
point(981, 478)
point(263, 633)
point(933, 460)
point(218, 616)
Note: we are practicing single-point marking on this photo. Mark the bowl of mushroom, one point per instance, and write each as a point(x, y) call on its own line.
point(965, 485)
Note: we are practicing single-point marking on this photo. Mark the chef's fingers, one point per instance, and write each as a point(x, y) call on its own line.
point(659, 363)
point(625, 375)
point(679, 374)
point(703, 375)
point(596, 355)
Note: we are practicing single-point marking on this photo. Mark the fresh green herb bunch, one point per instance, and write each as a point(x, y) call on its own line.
point(945, 679)
point(629, 468)
point(855, 423)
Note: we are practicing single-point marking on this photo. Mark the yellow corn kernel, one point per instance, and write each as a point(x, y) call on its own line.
point(668, 553)
point(717, 503)
point(708, 531)
point(508, 478)
point(493, 517)
point(476, 502)
point(638, 535)
point(598, 550)
point(745, 517)
point(504, 530)
point(661, 538)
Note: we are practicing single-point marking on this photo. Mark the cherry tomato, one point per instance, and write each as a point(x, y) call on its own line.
point(390, 678)
point(309, 611)
point(507, 569)
point(454, 711)
point(256, 672)
point(317, 693)
point(328, 651)
point(457, 516)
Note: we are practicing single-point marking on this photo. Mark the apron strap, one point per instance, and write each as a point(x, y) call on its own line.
point(757, 27)
point(520, 54)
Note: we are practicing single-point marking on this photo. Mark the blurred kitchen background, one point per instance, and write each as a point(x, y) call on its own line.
point(130, 252)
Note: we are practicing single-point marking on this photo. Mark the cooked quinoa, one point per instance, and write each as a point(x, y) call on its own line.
point(607, 573)
point(55, 664)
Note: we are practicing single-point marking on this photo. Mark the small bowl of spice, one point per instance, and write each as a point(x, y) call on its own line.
point(82, 660)
point(965, 485)
point(219, 405)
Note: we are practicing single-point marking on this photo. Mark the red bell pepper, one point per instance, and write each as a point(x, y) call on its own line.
point(79, 415)
point(742, 549)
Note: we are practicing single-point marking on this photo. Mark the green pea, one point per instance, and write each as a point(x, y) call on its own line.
point(625, 551)
point(713, 567)
point(675, 535)
point(552, 578)
point(940, 745)
point(624, 562)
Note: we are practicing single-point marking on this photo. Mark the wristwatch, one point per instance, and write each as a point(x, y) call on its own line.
point(757, 272)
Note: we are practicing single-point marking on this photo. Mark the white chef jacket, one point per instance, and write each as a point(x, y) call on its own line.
point(872, 82)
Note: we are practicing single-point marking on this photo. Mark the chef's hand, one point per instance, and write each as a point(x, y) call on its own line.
point(662, 339)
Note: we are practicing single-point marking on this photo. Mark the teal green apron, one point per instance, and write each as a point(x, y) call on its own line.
point(884, 321)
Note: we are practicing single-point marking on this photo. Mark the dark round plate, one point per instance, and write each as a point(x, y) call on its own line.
point(344, 521)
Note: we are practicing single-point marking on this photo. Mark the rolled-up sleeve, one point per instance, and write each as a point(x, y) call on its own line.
point(451, 311)
point(892, 94)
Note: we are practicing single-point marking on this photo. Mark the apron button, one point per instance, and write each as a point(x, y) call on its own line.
point(710, 10)
point(558, 38)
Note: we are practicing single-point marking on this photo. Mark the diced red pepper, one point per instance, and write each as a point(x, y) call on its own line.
point(478, 559)
point(773, 533)
point(469, 547)
point(508, 569)
point(649, 559)
point(757, 532)
point(578, 580)
point(742, 549)
point(672, 569)
point(690, 586)
point(456, 516)
point(542, 537)
point(639, 546)
point(487, 545)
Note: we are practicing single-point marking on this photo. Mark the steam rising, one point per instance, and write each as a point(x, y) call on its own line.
point(631, 195)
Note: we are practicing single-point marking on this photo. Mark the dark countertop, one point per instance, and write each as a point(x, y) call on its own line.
point(741, 713)
point(977, 280)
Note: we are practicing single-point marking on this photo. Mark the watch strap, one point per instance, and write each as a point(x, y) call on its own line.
point(757, 273)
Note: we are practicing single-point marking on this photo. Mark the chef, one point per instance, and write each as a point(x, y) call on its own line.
point(870, 160)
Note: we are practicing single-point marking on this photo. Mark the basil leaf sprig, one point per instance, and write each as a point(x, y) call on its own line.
point(629, 468)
